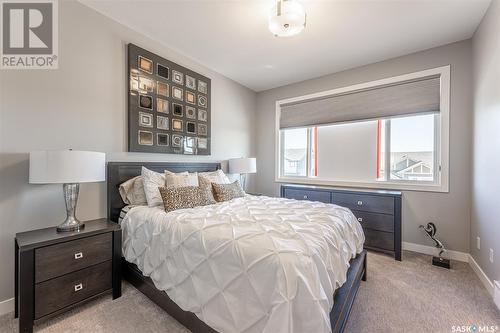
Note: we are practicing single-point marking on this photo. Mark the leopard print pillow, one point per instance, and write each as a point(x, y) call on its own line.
point(185, 197)
point(225, 192)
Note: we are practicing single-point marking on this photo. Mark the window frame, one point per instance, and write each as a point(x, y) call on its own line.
point(441, 142)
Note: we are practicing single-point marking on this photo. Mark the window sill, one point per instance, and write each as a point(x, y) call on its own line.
point(375, 185)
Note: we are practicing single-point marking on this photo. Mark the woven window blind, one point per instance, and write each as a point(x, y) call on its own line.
point(402, 98)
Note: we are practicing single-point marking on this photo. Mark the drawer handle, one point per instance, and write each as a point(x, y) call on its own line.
point(78, 255)
point(78, 287)
point(360, 219)
point(305, 196)
point(360, 203)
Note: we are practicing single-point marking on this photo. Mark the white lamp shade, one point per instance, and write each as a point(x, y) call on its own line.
point(243, 165)
point(67, 166)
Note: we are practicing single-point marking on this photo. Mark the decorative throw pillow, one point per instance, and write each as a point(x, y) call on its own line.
point(225, 192)
point(217, 177)
point(132, 191)
point(204, 182)
point(181, 179)
point(185, 197)
point(152, 181)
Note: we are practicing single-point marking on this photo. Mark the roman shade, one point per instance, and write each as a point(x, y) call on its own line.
point(409, 97)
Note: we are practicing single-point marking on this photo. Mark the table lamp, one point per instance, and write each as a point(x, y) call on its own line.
point(70, 168)
point(243, 166)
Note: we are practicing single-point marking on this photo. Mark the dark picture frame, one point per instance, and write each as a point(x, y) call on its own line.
point(151, 99)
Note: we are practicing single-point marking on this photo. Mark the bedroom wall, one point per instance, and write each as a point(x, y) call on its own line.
point(450, 211)
point(82, 105)
point(485, 221)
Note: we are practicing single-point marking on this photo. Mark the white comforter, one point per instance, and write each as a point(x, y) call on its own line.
point(252, 264)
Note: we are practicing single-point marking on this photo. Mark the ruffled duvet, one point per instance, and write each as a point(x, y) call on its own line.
point(252, 264)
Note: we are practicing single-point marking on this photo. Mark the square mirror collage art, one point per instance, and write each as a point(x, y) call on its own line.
point(168, 106)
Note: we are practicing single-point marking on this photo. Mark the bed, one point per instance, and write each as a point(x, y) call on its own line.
point(152, 268)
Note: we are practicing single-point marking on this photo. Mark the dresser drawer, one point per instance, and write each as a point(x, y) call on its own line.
point(60, 292)
point(379, 239)
point(366, 203)
point(374, 221)
point(312, 195)
point(56, 260)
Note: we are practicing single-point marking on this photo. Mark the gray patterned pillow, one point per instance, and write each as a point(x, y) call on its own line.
point(225, 192)
point(185, 197)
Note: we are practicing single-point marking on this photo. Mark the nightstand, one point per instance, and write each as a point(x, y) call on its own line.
point(55, 272)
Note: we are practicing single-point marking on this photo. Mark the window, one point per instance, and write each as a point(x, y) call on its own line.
point(359, 151)
point(401, 151)
point(295, 159)
point(412, 148)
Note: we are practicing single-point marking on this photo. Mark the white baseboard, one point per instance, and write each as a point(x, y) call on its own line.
point(496, 294)
point(430, 250)
point(6, 306)
point(481, 275)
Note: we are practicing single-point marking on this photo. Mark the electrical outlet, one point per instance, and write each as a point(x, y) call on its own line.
point(491, 255)
point(478, 242)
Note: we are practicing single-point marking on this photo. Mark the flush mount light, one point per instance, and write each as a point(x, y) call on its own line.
point(287, 18)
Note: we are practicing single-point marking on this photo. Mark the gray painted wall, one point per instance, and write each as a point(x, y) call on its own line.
point(82, 105)
point(451, 210)
point(485, 221)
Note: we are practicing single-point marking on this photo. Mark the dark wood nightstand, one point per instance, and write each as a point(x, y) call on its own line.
point(58, 271)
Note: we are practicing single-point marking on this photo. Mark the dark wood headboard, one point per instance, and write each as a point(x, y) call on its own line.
point(119, 172)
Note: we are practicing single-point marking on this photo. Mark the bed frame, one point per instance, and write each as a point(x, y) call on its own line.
point(118, 172)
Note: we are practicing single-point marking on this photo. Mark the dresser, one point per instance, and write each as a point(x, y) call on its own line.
point(55, 272)
point(378, 212)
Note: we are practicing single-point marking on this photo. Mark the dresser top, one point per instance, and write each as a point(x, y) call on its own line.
point(345, 189)
point(49, 236)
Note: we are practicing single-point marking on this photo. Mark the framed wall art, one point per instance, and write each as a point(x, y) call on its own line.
point(168, 106)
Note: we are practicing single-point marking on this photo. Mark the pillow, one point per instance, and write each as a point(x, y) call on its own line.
point(132, 191)
point(168, 172)
point(217, 177)
point(225, 192)
point(232, 177)
point(152, 181)
point(181, 179)
point(185, 197)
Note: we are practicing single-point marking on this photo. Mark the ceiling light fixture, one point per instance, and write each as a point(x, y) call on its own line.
point(287, 18)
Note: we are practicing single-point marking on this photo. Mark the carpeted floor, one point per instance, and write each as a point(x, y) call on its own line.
point(407, 296)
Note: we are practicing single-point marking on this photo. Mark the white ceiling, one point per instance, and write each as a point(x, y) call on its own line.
point(231, 37)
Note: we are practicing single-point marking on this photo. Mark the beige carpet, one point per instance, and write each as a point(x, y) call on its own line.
point(408, 296)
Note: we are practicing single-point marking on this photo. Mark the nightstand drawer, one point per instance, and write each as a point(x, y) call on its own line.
point(58, 293)
point(374, 221)
point(366, 203)
point(56, 260)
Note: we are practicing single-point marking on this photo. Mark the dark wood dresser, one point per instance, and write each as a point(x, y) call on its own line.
point(58, 271)
point(378, 211)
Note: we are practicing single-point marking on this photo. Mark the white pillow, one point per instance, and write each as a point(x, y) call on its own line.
point(233, 177)
point(132, 191)
point(152, 181)
point(181, 179)
point(217, 177)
